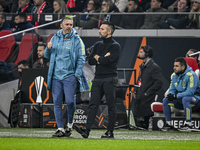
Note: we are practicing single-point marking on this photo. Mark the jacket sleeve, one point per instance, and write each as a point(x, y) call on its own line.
point(157, 78)
point(172, 88)
point(80, 57)
point(91, 59)
point(114, 54)
point(191, 86)
point(178, 23)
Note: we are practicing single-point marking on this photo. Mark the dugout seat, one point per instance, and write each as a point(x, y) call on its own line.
point(7, 45)
point(157, 108)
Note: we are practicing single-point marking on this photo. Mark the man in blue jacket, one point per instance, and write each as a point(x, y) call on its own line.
point(183, 93)
point(66, 52)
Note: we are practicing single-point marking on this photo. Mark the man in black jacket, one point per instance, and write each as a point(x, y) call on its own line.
point(21, 24)
point(132, 21)
point(149, 82)
point(105, 56)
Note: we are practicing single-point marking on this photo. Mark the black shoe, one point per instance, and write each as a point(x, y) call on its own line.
point(186, 128)
point(68, 132)
point(108, 134)
point(81, 130)
point(168, 128)
point(58, 133)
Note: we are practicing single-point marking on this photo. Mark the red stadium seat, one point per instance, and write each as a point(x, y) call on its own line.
point(25, 47)
point(49, 37)
point(192, 63)
point(7, 45)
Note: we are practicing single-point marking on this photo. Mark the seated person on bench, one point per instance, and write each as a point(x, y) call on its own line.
point(183, 93)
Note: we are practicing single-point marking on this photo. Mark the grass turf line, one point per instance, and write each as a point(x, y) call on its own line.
point(93, 144)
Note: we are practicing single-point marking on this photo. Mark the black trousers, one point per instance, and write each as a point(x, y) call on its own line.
point(101, 87)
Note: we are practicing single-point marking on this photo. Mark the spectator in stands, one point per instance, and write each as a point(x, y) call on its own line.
point(183, 94)
point(21, 24)
point(90, 21)
point(195, 18)
point(75, 5)
point(3, 6)
point(23, 64)
point(121, 4)
point(109, 7)
point(65, 73)
point(151, 21)
point(176, 21)
point(132, 21)
point(192, 51)
point(4, 25)
point(24, 6)
point(12, 5)
point(42, 61)
point(41, 7)
point(149, 82)
point(59, 8)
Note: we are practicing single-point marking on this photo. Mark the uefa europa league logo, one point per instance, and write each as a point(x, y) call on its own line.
point(38, 86)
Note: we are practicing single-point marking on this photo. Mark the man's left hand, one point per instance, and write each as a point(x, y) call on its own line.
point(97, 58)
point(171, 97)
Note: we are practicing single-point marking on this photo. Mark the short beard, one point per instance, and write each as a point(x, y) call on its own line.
point(141, 57)
point(103, 37)
point(180, 72)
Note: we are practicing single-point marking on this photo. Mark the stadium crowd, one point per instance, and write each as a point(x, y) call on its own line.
point(125, 14)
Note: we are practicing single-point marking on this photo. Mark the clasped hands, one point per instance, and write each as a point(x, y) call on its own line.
point(171, 97)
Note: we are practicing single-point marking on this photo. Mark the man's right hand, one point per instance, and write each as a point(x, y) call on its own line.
point(49, 45)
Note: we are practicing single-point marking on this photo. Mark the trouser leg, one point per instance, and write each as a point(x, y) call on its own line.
point(167, 109)
point(110, 93)
point(57, 92)
point(70, 85)
point(187, 102)
point(96, 95)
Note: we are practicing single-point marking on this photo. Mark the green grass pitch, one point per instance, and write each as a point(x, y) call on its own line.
point(40, 139)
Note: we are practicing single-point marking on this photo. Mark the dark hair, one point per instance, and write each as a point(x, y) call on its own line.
point(42, 44)
point(181, 60)
point(188, 3)
point(148, 51)
point(24, 62)
point(136, 2)
point(110, 25)
point(194, 50)
point(161, 1)
point(22, 15)
point(97, 4)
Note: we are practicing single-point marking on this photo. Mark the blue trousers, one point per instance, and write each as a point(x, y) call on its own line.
point(66, 87)
point(185, 103)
